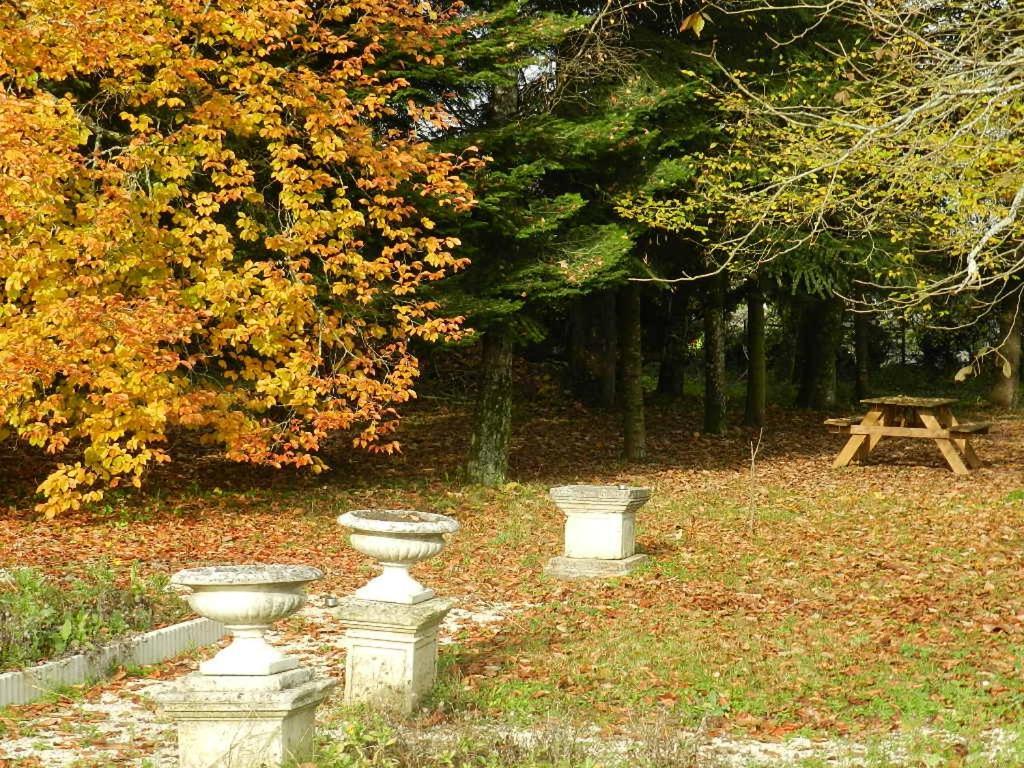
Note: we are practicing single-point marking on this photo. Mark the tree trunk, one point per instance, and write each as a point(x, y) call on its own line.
point(803, 340)
point(806, 340)
point(821, 332)
point(609, 349)
point(1006, 391)
point(492, 425)
point(785, 356)
point(757, 378)
point(672, 371)
point(826, 352)
point(714, 354)
point(631, 346)
point(576, 347)
point(862, 349)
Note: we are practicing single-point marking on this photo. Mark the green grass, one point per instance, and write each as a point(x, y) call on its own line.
point(771, 641)
point(360, 739)
point(43, 618)
point(795, 622)
point(929, 749)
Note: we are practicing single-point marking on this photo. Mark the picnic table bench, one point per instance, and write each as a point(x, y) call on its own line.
point(923, 418)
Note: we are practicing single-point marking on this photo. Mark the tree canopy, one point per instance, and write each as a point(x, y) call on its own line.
point(237, 219)
point(214, 217)
point(885, 144)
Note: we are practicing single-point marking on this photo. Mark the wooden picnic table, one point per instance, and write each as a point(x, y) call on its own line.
point(922, 418)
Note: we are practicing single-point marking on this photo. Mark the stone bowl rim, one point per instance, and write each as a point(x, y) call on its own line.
point(598, 491)
point(256, 574)
point(435, 523)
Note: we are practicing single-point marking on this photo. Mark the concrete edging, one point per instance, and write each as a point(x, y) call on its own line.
point(23, 686)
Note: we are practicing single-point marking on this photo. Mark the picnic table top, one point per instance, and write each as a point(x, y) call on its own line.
point(910, 402)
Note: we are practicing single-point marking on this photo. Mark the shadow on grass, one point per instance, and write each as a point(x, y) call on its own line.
point(552, 444)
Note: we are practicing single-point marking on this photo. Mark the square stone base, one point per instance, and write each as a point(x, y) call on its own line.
point(592, 568)
point(599, 534)
point(222, 725)
point(392, 651)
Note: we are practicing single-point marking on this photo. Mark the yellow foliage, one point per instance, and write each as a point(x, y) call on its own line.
point(187, 191)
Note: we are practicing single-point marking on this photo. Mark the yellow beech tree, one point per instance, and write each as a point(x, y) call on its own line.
point(213, 216)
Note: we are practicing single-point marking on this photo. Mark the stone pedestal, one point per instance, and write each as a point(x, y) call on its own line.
point(592, 568)
point(242, 721)
point(392, 651)
point(250, 705)
point(600, 530)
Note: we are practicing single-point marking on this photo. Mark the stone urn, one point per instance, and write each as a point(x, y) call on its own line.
point(600, 529)
point(247, 599)
point(397, 539)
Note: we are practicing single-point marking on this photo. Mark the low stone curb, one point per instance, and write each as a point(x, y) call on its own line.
point(24, 686)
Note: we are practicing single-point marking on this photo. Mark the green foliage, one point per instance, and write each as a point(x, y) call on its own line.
point(43, 618)
point(709, 196)
point(562, 147)
point(500, 40)
point(886, 153)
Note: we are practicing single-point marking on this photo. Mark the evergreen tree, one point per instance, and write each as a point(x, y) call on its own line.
point(571, 120)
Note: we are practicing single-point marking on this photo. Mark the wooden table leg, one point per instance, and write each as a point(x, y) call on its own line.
point(884, 417)
point(970, 456)
point(947, 419)
point(872, 441)
point(949, 451)
point(853, 445)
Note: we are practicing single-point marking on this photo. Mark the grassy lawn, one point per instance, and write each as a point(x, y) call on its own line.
point(358, 740)
point(796, 600)
point(805, 600)
point(859, 615)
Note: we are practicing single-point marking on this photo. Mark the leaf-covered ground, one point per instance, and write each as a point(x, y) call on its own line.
point(794, 599)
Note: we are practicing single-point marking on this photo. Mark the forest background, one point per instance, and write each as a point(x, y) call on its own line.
point(268, 226)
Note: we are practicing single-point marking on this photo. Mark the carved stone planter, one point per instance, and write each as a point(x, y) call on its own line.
point(600, 530)
point(397, 539)
point(247, 599)
point(250, 704)
point(391, 623)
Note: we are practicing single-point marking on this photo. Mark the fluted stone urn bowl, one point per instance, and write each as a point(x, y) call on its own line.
point(600, 520)
point(247, 599)
point(397, 539)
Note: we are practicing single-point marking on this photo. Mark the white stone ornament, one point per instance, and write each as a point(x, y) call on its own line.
point(600, 530)
point(247, 599)
point(397, 538)
point(250, 705)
